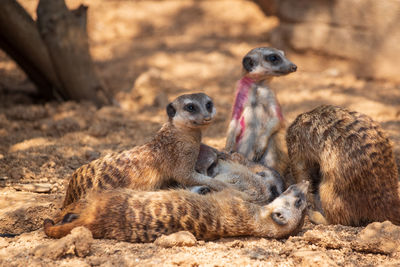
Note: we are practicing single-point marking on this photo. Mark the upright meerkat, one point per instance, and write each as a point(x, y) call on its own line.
point(349, 162)
point(170, 156)
point(134, 216)
point(257, 128)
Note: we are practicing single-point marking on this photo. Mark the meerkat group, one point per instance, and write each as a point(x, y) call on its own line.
point(170, 156)
point(112, 185)
point(345, 156)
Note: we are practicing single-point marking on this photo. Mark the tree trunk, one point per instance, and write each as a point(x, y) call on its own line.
point(20, 39)
point(64, 33)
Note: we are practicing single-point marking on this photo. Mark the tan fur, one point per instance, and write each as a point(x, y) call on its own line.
point(170, 156)
point(349, 162)
point(258, 183)
point(136, 216)
point(262, 139)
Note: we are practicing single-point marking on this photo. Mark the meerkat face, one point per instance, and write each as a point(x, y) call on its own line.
point(192, 111)
point(263, 62)
point(288, 209)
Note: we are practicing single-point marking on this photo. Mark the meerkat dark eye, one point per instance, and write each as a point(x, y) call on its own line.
point(190, 108)
point(298, 203)
point(273, 58)
point(209, 106)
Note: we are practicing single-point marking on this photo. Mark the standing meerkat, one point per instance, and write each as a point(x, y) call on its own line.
point(257, 127)
point(349, 162)
point(134, 216)
point(170, 156)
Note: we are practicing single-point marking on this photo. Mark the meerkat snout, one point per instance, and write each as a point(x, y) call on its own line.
point(292, 68)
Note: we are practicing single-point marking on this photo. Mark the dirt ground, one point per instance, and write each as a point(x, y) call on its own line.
point(148, 52)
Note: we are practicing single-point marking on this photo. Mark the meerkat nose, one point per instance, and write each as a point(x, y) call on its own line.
point(293, 67)
point(208, 118)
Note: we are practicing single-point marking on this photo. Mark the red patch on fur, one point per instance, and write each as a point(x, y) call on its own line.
point(242, 127)
point(279, 112)
point(242, 93)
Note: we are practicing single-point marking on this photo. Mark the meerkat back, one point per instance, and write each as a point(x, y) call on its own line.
point(350, 164)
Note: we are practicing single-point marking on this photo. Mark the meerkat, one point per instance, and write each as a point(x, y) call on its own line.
point(260, 184)
point(138, 216)
point(349, 161)
point(257, 127)
point(170, 156)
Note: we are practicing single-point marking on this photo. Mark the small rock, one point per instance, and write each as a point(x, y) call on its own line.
point(98, 130)
point(54, 189)
point(379, 237)
point(3, 243)
point(237, 244)
point(313, 258)
point(37, 188)
point(77, 243)
point(179, 239)
point(259, 254)
point(333, 72)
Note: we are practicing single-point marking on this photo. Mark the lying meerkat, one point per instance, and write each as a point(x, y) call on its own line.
point(348, 159)
point(138, 216)
point(260, 184)
point(170, 156)
point(257, 128)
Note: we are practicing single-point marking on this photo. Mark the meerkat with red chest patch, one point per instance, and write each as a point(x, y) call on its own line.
point(170, 156)
point(349, 161)
point(257, 127)
point(137, 216)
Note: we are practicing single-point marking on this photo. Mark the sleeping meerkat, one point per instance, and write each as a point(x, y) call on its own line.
point(170, 156)
point(348, 159)
point(138, 216)
point(257, 127)
point(260, 184)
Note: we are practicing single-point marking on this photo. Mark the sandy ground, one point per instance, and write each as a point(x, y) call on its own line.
point(147, 53)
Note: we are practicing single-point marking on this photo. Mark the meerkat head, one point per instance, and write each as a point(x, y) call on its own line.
point(264, 62)
point(194, 111)
point(286, 213)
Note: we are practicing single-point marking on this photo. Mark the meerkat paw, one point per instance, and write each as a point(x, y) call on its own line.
point(316, 217)
point(200, 189)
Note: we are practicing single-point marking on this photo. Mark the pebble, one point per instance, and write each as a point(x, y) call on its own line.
point(379, 237)
point(179, 239)
point(37, 188)
point(77, 243)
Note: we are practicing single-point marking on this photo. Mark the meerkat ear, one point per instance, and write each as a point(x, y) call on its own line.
point(171, 111)
point(248, 63)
